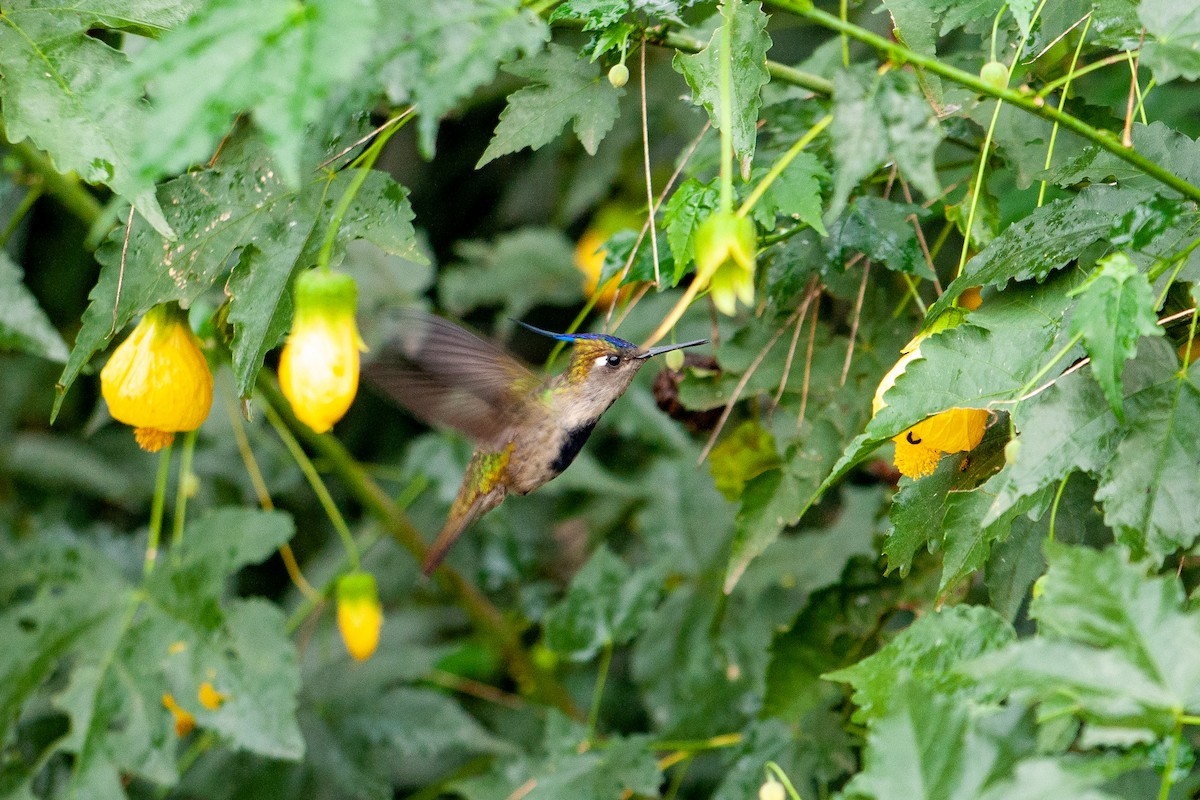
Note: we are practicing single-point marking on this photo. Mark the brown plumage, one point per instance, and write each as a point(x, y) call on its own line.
point(527, 429)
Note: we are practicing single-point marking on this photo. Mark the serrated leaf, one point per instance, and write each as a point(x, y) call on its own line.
point(689, 205)
point(51, 71)
point(1120, 646)
point(931, 747)
point(1115, 308)
point(1175, 30)
point(23, 324)
point(746, 27)
point(1157, 141)
point(795, 193)
point(1046, 240)
point(926, 653)
point(1148, 489)
point(606, 605)
point(516, 272)
point(884, 232)
point(238, 208)
point(900, 126)
point(594, 14)
point(565, 89)
point(441, 52)
point(275, 59)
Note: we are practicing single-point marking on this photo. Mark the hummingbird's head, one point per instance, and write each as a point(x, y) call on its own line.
point(603, 366)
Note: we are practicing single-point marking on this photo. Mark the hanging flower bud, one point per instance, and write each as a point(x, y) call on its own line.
point(157, 380)
point(359, 614)
point(318, 369)
point(724, 246)
point(185, 721)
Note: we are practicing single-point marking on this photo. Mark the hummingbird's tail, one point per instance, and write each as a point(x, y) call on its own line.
point(459, 519)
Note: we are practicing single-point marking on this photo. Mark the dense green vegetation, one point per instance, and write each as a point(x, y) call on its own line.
point(732, 584)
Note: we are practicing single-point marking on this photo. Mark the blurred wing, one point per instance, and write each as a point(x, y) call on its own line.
point(445, 374)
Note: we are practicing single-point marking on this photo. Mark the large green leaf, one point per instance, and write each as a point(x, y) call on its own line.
point(876, 119)
point(434, 55)
point(565, 89)
point(1048, 239)
point(606, 605)
point(127, 647)
point(1117, 647)
point(23, 324)
point(745, 25)
point(51, 72)
point(1115, 309)
point(242, 209)
point(1175, 36)
point(275, 59)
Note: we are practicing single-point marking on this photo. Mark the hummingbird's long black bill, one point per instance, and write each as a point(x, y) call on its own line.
point(657, 351)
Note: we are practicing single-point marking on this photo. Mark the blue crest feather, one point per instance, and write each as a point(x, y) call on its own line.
point(571, 337)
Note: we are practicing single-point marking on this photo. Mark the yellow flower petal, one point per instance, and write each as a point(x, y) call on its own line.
point(952, 431)
point(210, 698)
point(185, 722)
point(359, 614)
point(157, 380)
point(318, 369)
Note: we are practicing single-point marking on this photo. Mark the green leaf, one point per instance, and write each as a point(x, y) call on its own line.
point(23, 324)
point(1053, 778)
point(1157, 141)
point(1148, 489)
point(689, 205)
point(795, 194)
point(1118, 645)
point(884, 232)
point(594, 14)
point(565, 89)
point(439, 53)
point(50, 75)
point(1175, 30)
point(238, 209)
point(518, 271)
point(926, 654)
point(877, 119)
point(1116, 308)
point(930, 746)
point(746, 26)
point(1048, 239)
point(606, 605)
point(275, 59)
point(1070, 426)
point(748, 451)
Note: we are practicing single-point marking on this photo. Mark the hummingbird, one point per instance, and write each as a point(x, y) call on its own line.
point(527, 429)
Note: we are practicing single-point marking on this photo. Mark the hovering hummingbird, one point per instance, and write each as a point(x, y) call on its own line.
point(527, 429)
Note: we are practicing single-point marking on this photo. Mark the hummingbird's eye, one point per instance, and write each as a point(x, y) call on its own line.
point(613, 360)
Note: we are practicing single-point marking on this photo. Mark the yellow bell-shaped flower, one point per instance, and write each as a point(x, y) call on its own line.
point(318, 369)
point(724, 246)
point(157, 380)
point(359, 614)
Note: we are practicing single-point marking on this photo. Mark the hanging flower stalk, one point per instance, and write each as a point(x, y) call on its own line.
point(157, 380)
point(359, 614)
point(318, 369)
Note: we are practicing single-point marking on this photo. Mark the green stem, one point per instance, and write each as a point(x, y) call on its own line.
point(181, 494)
point(1168, 776)
point(1054, 508)
point(156, 510)
point(66, 189)
point(1066, 88)
point(19, 213)
point(365, 162)
point(782, 163)
point(1045, 370)
point(606, 655)
point(843, 12)
point(314, 480)
point(987, 141)
point(1026, 102)
point(488, 619)
point(783, 778)
point(725, 90)
point(1092, 67)
point(698, 745)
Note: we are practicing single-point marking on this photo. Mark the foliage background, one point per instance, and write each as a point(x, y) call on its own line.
point(1019, 624)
